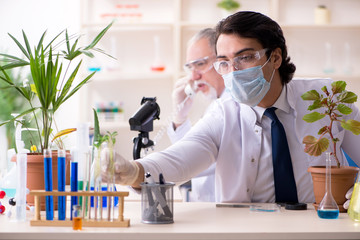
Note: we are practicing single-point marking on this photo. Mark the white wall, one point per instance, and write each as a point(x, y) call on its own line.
point(34, 17)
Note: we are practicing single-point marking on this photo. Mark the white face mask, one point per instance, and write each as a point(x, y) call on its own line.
point(248, 86)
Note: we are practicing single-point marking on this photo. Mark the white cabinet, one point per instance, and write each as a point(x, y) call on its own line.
point(330, 50)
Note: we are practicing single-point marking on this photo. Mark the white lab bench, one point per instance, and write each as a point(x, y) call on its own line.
point(201, 221)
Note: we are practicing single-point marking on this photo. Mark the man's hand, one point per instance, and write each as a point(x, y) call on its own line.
point(178, 96)
point(126, 172)
point(348, 197)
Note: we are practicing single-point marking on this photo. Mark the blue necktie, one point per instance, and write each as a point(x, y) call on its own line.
point(285, 187)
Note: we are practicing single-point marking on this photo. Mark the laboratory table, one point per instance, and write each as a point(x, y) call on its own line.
point(201, 221)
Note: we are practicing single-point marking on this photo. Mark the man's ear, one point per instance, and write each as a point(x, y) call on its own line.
point(277, 58)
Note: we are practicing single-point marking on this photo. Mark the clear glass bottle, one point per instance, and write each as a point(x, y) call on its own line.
point(354, 207)
point(328, 207)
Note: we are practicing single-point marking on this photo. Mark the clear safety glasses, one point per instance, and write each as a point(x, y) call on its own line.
point(201, 65)
point(245, 60)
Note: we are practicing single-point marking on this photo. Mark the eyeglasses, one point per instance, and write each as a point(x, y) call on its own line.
point(245, 60)
point(201, 65)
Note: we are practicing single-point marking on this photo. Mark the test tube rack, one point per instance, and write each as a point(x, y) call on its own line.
point(119, 222)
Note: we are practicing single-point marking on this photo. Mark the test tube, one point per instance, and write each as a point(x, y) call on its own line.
point(48, 184)
point(73, 182)
point(61, 184)
point(21, 161)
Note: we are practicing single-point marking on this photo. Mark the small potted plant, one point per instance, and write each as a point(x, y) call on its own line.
point(333, 103)
point(51, 83)
point(228, 7)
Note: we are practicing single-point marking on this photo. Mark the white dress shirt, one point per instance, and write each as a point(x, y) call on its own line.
point(238, 138)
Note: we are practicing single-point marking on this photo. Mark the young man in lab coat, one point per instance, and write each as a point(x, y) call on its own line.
point(236, 134)
point(203, 79)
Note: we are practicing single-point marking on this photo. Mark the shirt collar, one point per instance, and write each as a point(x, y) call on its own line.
point(281, 103)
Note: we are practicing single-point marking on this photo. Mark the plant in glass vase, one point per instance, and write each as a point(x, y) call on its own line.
point(333, 105)
point(51, 83)
point(103, 159)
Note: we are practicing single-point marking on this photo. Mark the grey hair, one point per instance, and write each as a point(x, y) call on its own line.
point(207, 33)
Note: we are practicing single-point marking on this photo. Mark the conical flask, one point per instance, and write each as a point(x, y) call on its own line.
point(328, 208)
point(354, 207)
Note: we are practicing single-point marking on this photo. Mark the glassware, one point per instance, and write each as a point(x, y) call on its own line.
point(354, 207)
point(328, 208)
point(73, 181)
point(21, 186)
point(77, 218)
point(61, 160)
point(48, 184)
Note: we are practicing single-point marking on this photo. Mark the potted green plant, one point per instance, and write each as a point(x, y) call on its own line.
point(50, 85)
point(333, 105)
point(228, 7)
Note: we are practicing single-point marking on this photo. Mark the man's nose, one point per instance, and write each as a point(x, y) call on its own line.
point(196, 75)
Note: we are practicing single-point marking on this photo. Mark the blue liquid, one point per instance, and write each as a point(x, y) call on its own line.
point(49, 188)
point(10, 192)
point(104, 199)
point(74, 185)
point(328, 214)
point(61, 188)
point(94, 69)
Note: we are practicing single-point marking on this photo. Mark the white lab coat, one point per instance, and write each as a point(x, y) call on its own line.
point(202, 185)
point(230, 136)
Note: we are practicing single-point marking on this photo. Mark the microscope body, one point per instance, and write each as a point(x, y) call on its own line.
point(142, 121)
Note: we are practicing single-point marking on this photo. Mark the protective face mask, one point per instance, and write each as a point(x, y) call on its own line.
point(248, 86)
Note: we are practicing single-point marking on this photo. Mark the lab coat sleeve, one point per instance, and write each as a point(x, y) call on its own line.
point(179, 133)
point(192, 154)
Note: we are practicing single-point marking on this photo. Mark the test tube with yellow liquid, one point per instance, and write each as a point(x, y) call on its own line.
point(354, 207)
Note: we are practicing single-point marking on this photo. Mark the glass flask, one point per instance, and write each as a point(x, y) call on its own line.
point(354, 207)
point(328, 208)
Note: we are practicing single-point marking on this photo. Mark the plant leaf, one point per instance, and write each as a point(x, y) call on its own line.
point(338, 87)
point(63, 132)
point(314, 146)
point(322, 130)
point(20, 46)
point(316, 104)
point(344, 109)
point(27, 43)
point(98, 37)
point(311, 95)
point(313, 117)
point(96, 128)
point(351, 125)
point(347, 97)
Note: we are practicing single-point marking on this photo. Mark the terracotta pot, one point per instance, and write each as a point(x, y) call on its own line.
point(35, 175)
point(342, 179)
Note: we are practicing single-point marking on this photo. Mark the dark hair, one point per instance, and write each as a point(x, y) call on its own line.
point(255, 25)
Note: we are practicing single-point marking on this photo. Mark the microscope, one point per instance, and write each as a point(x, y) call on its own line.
point(142, 121)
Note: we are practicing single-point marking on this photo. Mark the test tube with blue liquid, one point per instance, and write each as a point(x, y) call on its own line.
point(73, 182)
point(48, 184)
point(61, 184)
